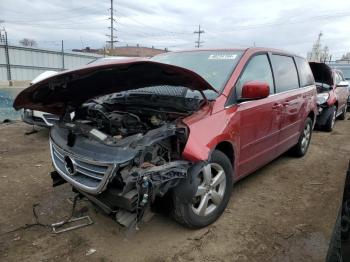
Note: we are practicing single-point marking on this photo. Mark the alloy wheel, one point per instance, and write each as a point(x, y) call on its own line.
point(333, 118)
point(211, 189)
point(306, 137)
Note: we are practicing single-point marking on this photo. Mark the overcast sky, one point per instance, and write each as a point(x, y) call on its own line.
point(290, 25)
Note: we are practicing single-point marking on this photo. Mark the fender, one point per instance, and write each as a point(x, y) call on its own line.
point(332, 99)
point(207, 130)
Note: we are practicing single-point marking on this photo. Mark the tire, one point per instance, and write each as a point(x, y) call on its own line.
point(334, 251)
point(300, 149)
point(343, 114)
point(194, 203)
point(331, 120)
point(345, 221)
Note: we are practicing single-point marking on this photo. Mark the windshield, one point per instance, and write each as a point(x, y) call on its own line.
point(214, 66)
point(345, 70)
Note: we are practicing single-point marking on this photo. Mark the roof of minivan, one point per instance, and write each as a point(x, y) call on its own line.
point(245, 49)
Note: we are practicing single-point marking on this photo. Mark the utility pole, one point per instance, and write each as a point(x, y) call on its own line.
point(111, 35)
point(199, 32)
point(62, 51)
point(3, 38)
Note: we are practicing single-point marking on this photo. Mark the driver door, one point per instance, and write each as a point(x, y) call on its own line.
point(260, 120)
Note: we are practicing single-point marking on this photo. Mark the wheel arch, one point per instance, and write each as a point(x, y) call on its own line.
point(312, 115)
point(227, 148)
point(336, 104)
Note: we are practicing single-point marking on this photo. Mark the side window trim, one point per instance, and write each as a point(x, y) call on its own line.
point(296, 68)
point(286, 55)
point(299, 72)
point(232, 97)
point(269, 54)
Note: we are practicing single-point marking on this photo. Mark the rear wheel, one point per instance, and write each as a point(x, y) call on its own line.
point(208, 189)
point(302, 146)
point(343, 114)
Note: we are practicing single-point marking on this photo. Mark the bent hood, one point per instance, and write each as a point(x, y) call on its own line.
point(322, 73)
point(72, 88)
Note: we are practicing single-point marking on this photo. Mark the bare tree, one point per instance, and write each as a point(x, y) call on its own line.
point(28, 42)
point(346, 56)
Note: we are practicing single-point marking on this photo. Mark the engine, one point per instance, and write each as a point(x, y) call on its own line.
point(119, 123)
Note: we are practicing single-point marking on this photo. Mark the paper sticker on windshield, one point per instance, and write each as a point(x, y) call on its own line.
point(223, 57)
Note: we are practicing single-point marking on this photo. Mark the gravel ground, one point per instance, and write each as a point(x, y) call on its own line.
point(283, 212)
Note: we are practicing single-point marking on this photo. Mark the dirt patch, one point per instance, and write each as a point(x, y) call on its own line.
point(283, 212)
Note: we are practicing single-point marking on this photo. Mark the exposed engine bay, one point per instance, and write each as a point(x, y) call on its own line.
point(139, 137)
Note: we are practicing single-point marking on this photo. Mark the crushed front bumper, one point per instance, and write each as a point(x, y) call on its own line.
point(39, 119)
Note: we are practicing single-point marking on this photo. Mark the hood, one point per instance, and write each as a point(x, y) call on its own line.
point(322, 73)
point(70, 89)
point(43, 76)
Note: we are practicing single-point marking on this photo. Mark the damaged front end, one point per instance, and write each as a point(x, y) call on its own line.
point(122, 159)
point(120, 136)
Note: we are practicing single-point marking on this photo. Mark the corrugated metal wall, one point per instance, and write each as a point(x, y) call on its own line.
point(26, 63)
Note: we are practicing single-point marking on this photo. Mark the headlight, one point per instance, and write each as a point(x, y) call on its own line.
point(27, 112)
point(322, 98)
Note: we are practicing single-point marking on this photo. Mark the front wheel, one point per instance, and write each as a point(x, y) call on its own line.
point(331, 119)
point(204, 195)
point(302, 146)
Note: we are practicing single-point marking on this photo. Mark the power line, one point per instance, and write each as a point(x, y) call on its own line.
point(112, 37)
point(288, 22)
point(199, 32)
point(153, 27)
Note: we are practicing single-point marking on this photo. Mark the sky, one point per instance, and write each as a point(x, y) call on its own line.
point(289, 25)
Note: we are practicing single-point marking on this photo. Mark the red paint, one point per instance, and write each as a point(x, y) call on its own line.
point(338, 94)
point(255, 90)
point(258, 130)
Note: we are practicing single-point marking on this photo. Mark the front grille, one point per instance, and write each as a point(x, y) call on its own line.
point(87, 175)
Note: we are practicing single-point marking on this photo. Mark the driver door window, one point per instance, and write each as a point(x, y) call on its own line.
point(258, 69)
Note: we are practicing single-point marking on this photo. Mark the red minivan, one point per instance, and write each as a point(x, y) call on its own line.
point(187, 125)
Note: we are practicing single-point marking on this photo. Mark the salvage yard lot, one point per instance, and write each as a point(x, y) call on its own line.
point(283, 212)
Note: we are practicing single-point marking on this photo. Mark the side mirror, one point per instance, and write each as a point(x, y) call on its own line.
point(343, 84)
point(254, 90)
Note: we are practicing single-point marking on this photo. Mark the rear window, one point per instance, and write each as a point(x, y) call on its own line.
point(305, 74)
point(285, 72)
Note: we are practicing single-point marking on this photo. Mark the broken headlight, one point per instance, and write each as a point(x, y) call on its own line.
point(322, 98)
point(27, 112)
